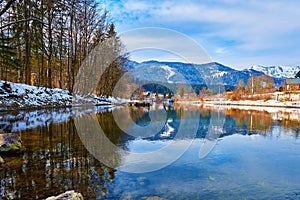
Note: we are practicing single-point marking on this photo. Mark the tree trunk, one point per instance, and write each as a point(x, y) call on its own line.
point(27, 39)
point(50, 44)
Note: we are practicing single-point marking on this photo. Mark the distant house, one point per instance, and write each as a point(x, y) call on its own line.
point(229, 92)
point(293, 84)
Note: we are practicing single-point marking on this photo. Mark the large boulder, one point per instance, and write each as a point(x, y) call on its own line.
point(69, 195)
point(10, 143)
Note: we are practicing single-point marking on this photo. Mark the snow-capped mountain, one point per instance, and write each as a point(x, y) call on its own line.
point(280, 72)
point(209, 74)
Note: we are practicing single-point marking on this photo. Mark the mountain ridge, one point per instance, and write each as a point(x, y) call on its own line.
point(213, 73)
point(278, 71)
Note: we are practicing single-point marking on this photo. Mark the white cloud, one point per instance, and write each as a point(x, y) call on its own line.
point(221, 50)
point(251, 23)
point(175, 43)
point(132, 5)
point(243, 28)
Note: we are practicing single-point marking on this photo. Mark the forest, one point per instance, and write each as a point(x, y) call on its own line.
point(44, 42)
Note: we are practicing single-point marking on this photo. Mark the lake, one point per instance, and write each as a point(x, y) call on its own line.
point(190, 152)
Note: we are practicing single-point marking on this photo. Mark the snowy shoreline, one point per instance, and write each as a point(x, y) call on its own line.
point(246, 103)
point(269, 103)
point(16, 96)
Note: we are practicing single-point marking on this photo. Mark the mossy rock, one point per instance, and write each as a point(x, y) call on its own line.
point(10, 143)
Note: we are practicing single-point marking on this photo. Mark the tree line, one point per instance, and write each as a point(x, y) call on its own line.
point(255, 84)
point(44, 42)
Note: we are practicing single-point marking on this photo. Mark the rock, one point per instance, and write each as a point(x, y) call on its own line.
point(154, 198)
point(10, 143)
point(1, 160)
point(69, 195)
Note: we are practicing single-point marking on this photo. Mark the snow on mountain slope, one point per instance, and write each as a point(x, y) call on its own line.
point(209, 73)
point(278, 71)
point(176, 72)
point(169, 72)
point(220, 74)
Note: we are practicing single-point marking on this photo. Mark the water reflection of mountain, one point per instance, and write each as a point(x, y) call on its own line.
point(244, 122)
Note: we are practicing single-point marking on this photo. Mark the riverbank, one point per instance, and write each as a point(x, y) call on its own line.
point(23, 97)
point(244, 103)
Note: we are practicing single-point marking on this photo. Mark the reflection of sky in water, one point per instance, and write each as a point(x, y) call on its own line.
point(143, 146)
point(254, 158)
point(259, 167)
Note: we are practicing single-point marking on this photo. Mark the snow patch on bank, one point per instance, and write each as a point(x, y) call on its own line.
point(16, 96)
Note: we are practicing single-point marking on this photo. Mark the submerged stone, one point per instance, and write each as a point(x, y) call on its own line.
point(69, 195)
point(154, 198)
point(10, 143)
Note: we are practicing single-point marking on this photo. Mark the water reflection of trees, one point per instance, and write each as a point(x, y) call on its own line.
point(245, 122)
point(251, 120)
point(258, 121)
point(55, 160)
point(112, 130)
point(140, 115)
point(288, 119)
point(239, 121)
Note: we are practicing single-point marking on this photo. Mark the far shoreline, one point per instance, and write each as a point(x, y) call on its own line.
point(244, 103)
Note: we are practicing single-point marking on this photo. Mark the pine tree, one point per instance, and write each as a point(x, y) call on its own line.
point(116, 69)
point(7, 57)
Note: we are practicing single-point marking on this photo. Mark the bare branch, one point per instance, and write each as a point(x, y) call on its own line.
point(20, 21)
point(6, 7)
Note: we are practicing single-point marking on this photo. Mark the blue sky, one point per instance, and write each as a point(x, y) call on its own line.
point(237, 33)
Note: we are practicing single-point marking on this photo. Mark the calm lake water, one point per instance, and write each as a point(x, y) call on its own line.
point(256, 156)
